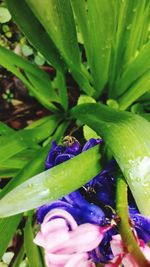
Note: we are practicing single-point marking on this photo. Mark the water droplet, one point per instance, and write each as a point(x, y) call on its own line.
point(129, 27)
point(134, 10)
point(30, 185)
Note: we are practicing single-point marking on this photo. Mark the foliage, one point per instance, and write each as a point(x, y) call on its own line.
point(110, 66)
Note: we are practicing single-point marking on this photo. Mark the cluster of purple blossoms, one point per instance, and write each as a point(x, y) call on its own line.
point(80, 229)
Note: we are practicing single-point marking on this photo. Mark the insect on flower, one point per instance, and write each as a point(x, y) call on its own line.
point(69, 140)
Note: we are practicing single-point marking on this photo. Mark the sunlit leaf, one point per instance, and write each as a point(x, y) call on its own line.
point(52, 184)
point(96, 21)
point(127, 136)
point(36, 164)
point(24, 17)
point(38, 82)
point(23, 139)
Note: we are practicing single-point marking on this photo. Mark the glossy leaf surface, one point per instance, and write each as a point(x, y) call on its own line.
point(127, 136)
point(52, 184)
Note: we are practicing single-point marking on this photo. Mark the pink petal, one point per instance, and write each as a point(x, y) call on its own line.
point(79, 260)
point(85, 238)
point(49, 264)
point(58, 259)
point(116, 245)
point(128, 261)
point(146, 252)
point(55, 233)
point(39, 240)
point(63, 214)
point(53, 226)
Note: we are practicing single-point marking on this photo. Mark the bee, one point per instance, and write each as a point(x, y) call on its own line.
point(69, 140)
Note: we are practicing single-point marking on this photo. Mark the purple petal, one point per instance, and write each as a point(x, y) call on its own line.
point(91, 142)
point(54, 152)
point(73, 149)
point(62, 158)
point(142, 226)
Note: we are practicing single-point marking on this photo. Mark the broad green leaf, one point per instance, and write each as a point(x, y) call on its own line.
point(32, 251)
point(139, 88)
point(36, 164)
point(11, 166)
point(19, 141)
point(56, 16)
point(101, 18)
point(89, 133)
point(36, 80)
point(8, 227)
point(127, 13)
point(24, 17)
point(60, 84)
point(134, 69)
point(38, 122)
point(4, 129)
point(146, 116)
point(127, 136)
point(6, 172)
point(136, 28)
point(85, 99)
point(52, 184)
point(96, 20)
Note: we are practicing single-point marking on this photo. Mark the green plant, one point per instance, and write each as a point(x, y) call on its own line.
point(115, 71)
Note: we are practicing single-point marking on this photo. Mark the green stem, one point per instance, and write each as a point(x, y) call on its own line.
point(124, 226)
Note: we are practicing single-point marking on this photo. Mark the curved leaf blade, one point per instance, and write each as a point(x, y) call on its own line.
point(127, 136)
point(24, 17)
point(52, 184)
point(32, 251)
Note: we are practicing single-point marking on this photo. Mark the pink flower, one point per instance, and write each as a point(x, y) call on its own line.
point(66, 243)
point(121, 255)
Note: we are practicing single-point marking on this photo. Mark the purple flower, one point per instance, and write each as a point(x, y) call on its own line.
point(94, 203)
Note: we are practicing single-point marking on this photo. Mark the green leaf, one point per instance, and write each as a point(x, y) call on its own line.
point(57, 19)
point(134, 69)
point(4, 129)
point(27, 138)
point(11, 166)
point(4, 15)
point(127, 136)
point(32, 251)
point(60, 84)
point(96, 21)
point(24, 17)
point(137, 89)
point(8, 227)
point(85, 99)
point(52, 184)
point(36, 80)
point(124, 20)
point(36, 164)
point(89, 133)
